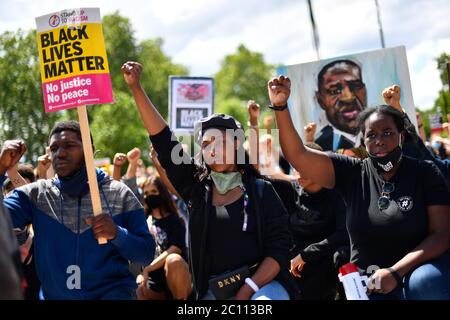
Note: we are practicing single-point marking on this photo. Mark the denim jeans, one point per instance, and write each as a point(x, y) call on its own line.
point(429, 281)
point(271, 291)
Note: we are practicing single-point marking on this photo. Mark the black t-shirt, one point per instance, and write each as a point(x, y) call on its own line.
point(229, 247)
point(381, 238)
point(169, 231)
point(316, 220)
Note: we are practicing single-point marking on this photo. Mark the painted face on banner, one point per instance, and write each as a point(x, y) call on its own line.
point(342, 95)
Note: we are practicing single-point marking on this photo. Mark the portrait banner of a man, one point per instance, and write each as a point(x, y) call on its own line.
point(333, 92)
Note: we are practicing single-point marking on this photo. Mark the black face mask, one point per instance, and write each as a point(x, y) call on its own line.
point(387, 162)
point(153, 201)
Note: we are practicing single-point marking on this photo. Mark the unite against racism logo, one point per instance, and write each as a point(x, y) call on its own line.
point(54, 20)
point(67, 17)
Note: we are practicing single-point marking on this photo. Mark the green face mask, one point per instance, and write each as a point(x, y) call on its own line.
point(225, 182)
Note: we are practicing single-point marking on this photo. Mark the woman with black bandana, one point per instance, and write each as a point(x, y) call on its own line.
point(239, 239)
point(398, 208)
point(168, 275)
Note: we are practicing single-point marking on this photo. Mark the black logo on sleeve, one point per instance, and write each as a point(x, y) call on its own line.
point(405, 203)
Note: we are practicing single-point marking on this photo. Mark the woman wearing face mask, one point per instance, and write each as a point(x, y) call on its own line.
point(398, 208)
point(168, 274)
point(239, 240)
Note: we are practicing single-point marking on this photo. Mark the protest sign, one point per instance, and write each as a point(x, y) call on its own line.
point(74, 73)
point(190, 99)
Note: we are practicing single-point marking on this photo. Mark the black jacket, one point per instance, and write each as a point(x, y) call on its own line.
point(194, 185)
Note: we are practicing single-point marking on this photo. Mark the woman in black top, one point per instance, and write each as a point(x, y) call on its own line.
point(236, 221)
point(397, 207)
point(168, 275)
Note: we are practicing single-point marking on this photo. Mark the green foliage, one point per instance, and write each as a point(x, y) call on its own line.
point(442, 61)
point(244, 76)
point(120, 46)
point(22, 114)
point(233, 107)
point(117, 127)
point(157, 68)
point(442, 102)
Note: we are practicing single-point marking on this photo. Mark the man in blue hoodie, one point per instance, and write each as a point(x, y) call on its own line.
point(69, 261)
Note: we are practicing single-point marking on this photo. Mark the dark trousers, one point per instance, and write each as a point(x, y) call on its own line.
point(319, 279)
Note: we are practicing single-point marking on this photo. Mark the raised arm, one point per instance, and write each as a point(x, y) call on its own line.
point(10, 154)
point(253, 145)
point(153, 121)
point(311, 164)
point(133, 156)
point(178, 164)
point(118, 162)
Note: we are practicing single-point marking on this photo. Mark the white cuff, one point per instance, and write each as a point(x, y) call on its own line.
point(251, 284)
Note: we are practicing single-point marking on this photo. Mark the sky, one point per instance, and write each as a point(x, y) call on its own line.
point(200, 33)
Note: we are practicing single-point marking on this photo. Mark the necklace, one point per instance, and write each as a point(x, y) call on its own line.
point(244, 224)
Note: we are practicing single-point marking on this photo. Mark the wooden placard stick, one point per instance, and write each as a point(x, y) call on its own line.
point(89, 159)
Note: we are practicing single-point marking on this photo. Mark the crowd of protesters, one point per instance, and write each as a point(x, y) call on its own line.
point(244, 218)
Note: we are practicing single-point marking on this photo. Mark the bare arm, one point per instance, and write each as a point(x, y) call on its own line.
point(119, 161)
point(133, 157)
point(162, 173)
point(311, 164)
point(253, 145)
point(153, 121)
point(159, 261)
point(15, 177)
point(267, 271)
point(435, 244)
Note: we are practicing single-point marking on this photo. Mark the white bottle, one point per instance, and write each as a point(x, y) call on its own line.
point(354, 284)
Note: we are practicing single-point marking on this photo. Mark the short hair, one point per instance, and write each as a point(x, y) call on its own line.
point(329, 65)
point(26, 170)
point(69, 125)
point(313, 145)
point(384, 109)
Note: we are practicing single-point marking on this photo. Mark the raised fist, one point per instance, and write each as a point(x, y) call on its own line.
point(279, 89)
point(310, 131)
point(119, 159)
point(253, 110)
point(391, 96)
point(133, 155)
point(10, 154)
point(132, 73)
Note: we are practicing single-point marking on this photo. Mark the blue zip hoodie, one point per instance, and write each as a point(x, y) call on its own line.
point(69, 261)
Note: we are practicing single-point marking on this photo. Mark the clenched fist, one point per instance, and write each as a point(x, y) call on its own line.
point(391, 96)
point(253, 111)
point(134, 155)
point(120, 159)
point(10, 154)
point(279, 89)
point(132, 73)
point(310, 131)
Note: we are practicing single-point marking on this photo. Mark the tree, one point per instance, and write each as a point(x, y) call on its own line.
point(442, 102)
point(22, 114)
point(120, 46)
point(233, 107)
point(117, 127)
point(244, 76)
point(157, 67)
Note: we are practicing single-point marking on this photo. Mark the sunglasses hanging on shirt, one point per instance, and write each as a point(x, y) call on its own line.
point(385, 197)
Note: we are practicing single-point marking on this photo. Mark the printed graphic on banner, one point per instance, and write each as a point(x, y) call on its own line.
point(72, 54)
point(191, 98)
point(187, 117)
point(435, 122)
point(333, 92)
